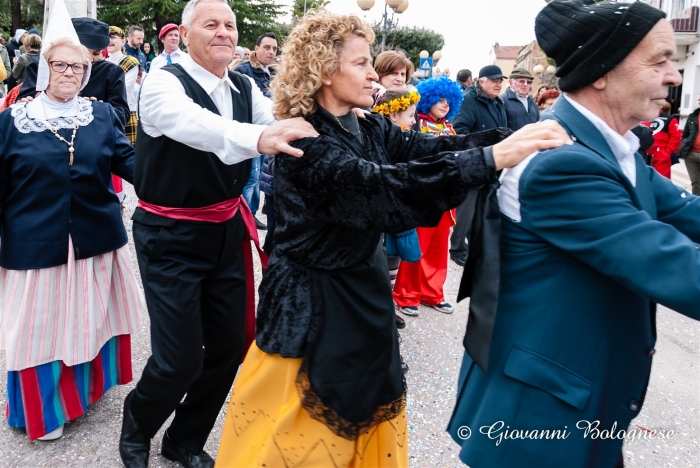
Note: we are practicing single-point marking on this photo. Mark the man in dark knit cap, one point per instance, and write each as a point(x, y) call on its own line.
point(591, 240)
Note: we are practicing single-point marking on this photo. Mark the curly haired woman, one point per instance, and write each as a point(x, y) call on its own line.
point(422, 282)
point(322, 385)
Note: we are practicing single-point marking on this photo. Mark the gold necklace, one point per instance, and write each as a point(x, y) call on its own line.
point(71, 150)
point(341, 125)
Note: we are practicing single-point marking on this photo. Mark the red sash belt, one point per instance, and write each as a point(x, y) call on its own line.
point(220, 213)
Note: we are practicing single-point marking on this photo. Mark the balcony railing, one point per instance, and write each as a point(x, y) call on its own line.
point(683, 15)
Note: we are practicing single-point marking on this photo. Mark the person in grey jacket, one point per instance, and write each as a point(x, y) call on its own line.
point(33, 45)
point(521, 108)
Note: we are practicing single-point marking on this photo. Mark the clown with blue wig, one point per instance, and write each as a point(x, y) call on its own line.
point(422, 282)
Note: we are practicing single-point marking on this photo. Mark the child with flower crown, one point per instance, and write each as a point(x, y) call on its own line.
point(399, 104)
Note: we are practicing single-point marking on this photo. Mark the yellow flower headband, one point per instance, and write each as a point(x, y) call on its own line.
point(397, 104)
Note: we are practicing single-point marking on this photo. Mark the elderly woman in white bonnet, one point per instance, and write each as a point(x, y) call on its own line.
point(68, 297)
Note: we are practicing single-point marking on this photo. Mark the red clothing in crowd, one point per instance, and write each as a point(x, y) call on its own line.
point(667, 140)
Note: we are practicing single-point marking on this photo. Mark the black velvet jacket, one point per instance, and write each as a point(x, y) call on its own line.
point(326, 294)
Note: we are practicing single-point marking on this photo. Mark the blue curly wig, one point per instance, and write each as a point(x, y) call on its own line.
point(434, 89)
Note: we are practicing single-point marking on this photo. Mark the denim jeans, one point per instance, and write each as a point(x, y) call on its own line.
point(251, 191)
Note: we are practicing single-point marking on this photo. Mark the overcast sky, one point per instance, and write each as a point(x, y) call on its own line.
point(470, 27)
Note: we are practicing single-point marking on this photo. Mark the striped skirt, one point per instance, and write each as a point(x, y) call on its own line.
point(44, 397)
point(68, 312)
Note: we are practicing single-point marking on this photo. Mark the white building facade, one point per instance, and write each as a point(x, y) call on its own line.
point(683, 15)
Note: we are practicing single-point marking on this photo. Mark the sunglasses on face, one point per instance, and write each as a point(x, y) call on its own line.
point(523, 81)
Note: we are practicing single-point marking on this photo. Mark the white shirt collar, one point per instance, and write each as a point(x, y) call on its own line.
point(622, 147)
point(174, 53)
point(204, 78)
point(116, 57)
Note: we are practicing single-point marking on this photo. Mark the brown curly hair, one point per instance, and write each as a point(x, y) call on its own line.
point(311, 53)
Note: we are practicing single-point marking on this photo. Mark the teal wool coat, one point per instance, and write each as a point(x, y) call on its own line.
point(574, 335)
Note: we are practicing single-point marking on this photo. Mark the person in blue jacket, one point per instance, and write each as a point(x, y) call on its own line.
point(591, 240)
point(69, 299)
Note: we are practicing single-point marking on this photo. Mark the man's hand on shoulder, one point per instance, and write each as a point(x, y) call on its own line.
point(275, 139)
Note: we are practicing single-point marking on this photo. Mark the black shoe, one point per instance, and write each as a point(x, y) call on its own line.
point(400, 322)
point(134, 445)
point(185, 457)
point(459, 259)
point(260, 225)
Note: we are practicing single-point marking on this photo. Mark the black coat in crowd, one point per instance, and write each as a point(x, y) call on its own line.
point(516, 114)
point(690, 132)
point(106, 84)
point(478, 113)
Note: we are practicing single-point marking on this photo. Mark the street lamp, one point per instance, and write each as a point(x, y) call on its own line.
point(437, 55)
point(398, 6)
point(542, 71)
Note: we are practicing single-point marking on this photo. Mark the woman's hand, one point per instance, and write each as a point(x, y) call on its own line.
point(534, 137)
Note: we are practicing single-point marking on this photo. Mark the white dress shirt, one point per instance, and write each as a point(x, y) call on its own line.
point(167, 110)
point(129, 80)
point(162, 60)
point(622, 147)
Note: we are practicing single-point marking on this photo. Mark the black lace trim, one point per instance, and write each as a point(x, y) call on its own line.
point(336, 423)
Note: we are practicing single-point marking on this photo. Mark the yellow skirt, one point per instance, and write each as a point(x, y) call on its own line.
point(266, 426)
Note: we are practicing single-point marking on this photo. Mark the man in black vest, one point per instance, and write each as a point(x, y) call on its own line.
point(199, 126)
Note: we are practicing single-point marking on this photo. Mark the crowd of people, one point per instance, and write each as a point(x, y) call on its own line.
point(373, 180)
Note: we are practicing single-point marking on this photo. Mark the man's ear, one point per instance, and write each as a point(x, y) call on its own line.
point(601, 83)
point(183, 35)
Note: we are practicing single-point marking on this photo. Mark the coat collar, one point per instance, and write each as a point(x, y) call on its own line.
point(579, 128)
point(582, 131)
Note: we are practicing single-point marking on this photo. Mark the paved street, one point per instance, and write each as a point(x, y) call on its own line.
point(432, 347)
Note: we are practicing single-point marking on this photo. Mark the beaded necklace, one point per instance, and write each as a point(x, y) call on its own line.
point(71, 150)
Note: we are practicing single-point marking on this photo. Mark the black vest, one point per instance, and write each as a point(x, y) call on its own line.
point(170, 173)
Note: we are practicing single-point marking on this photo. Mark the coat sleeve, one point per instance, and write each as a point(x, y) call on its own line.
point(19, 67)
point(465, 119)
point(578, 203)
point(123, 157)
point(28, 88)
point(3, 71)
point(116, 96)
point(5, 59)
point(403, 146)
point(331, 184)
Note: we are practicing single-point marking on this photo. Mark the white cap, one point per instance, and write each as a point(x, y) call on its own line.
point(19, 33)
point(59, 27)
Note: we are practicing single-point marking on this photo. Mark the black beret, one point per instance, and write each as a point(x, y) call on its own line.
point(588, 39)
point(93, 34)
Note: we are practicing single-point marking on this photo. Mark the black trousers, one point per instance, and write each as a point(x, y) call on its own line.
point(458, 244)
point(269, 210)
point(195, 286)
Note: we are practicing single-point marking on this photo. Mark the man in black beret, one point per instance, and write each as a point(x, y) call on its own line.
point(106, 82)
point(591, 239)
